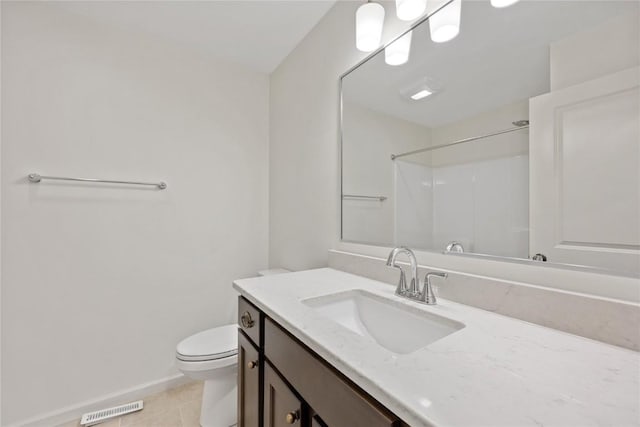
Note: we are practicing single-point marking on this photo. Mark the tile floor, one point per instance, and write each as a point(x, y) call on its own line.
point(178, 407)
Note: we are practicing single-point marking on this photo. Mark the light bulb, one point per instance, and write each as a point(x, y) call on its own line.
point(444, 25)
point(408, 10)
point(397, 53)
point(503, 3)
point(369, 21)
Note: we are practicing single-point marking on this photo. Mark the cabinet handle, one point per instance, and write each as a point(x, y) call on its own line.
point(246, 320)
point(252, 364)
point(292, 417)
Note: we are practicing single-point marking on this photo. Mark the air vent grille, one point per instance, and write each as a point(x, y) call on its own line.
point(97, 417)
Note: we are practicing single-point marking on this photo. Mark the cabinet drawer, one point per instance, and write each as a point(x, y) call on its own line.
point(249, 320)
point(248, 383)
point(338, 401)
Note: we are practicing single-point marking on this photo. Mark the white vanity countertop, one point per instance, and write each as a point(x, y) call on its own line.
point(495, 371)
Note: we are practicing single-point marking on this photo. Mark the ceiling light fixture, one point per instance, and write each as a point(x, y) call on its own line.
point(369, 21)
point(408, 10)
point(397, 53)
point(423, 93)
point(444, 25)
point(503, 3)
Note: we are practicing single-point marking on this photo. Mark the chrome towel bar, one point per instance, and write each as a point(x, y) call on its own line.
point(357, 197)
point(34, 177)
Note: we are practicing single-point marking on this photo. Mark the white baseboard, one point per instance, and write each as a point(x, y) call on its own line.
point(74, 412)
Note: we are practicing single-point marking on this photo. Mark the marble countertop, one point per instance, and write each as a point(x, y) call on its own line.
point(496, 371)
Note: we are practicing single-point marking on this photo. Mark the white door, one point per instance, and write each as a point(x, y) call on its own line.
point(585, 173)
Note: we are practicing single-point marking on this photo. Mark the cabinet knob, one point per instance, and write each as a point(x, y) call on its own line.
point(252, 364)
point(246, 320)
point(292, 417)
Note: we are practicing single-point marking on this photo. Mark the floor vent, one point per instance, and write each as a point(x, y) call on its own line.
point(97, 417)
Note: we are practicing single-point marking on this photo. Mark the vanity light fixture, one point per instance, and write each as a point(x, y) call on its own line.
point(444, 25)
point(369, 21)
point(397, 53)
point(408, 10)
point(423, 93)
point(503, 3)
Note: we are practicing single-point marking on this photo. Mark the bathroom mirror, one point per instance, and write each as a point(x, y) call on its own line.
point(520, 136)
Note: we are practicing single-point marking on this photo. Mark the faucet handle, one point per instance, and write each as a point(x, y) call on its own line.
point(428, 296)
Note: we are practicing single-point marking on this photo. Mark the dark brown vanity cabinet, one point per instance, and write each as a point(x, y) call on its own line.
point(281, 382)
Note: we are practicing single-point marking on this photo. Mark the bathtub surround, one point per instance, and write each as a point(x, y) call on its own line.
point(100, 282)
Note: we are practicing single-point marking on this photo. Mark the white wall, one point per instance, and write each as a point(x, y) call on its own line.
point(369, 138)
point(304, 201)
point(100, 282)
point(505, 145)
point(597, 51)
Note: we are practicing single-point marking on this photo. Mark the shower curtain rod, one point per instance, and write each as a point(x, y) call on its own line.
point(519, 125)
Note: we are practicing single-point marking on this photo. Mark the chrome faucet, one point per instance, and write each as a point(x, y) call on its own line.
point(428, 296)
point(413, 289)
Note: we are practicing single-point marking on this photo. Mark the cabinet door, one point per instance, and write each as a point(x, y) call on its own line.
point(248, 383)
point(281, 406)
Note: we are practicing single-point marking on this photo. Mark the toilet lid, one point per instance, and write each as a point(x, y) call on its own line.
point(211, 344)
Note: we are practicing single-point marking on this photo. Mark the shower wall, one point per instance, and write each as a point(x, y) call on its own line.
point(474, 193)
point(483, 205)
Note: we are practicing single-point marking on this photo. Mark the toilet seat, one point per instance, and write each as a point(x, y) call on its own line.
point(217, 344)
point(206, 367)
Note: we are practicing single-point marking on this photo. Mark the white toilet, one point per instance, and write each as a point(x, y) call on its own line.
point(212, 356)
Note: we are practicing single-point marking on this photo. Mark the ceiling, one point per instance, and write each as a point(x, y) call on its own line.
point(500, 57)
point(258, 33)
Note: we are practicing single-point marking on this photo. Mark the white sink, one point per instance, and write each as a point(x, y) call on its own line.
point(397, 327)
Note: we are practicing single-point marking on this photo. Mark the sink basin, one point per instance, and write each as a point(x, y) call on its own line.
point(399, 328)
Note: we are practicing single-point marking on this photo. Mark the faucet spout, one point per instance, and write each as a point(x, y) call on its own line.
point(402, 288)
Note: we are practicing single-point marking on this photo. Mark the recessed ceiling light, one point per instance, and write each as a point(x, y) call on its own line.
point(421, 94)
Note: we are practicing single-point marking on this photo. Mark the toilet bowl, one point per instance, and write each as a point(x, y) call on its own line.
point(212, 356)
